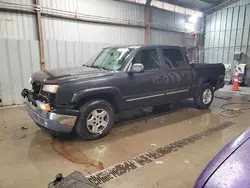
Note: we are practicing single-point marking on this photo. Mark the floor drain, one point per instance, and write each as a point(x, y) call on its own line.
point(146, 158)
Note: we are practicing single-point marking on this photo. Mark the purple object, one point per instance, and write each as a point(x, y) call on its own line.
point(230, 168)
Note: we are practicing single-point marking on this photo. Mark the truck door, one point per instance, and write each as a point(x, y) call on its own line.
point(146, 88)
point(178, 73)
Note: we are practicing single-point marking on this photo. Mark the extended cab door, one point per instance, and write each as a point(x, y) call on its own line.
point(145, 88)
point(178, 73)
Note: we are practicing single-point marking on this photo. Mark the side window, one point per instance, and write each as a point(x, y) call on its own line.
point(173, 58)
point(149, 58)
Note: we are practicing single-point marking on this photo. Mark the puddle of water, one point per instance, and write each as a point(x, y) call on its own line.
point(74, 153)
point(94, 153)
point(148, 157)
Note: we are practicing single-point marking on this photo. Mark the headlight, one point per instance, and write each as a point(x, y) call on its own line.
point(51, 88)
point(30, 80)
point(43, 106)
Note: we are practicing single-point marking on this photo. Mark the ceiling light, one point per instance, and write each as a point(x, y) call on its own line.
point(193, 19)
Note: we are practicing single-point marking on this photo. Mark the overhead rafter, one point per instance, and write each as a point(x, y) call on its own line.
point(220, 6)
point(212, 3)
point(200, 5)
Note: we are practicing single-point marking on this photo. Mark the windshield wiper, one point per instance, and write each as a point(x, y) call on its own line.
point(86, 65)
point(97, 66)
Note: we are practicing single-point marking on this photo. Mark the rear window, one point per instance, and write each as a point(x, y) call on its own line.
point(173, 58)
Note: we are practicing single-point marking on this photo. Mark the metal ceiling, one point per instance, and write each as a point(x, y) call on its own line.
point(201, 5)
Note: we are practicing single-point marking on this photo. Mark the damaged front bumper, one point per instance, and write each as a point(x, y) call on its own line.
point(58, 122)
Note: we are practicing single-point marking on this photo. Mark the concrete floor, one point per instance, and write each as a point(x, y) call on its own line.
point(31, 157)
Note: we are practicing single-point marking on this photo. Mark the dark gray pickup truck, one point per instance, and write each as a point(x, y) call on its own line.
point(86, 98)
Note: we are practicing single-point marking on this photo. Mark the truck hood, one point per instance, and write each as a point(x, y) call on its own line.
point(230, 162)
point(63, 75)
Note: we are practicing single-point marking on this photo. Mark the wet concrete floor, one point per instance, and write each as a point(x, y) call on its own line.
point(31, 157)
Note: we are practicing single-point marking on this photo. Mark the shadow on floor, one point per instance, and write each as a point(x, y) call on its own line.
point(129, 124)
point(170, 114)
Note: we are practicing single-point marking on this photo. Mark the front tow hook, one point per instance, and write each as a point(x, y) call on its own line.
point(25, 93)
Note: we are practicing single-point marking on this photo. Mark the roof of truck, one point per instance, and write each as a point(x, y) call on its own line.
point(141, 45)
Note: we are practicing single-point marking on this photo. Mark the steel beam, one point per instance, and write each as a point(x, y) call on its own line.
point(40, 35)
point(209, 2)
point(220, 6)
point(147, 22)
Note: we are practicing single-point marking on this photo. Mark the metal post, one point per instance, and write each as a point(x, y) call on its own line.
point(147, 21)
point(224, 41)
point(204, 22)
point(40, 35)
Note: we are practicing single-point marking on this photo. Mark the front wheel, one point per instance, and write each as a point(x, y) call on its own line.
point(205, 96)
point(96, 120)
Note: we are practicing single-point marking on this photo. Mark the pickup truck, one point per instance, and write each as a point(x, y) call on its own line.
point(86, 99)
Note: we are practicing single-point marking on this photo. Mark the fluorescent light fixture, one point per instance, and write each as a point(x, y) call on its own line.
point(139, 1)
point(179, 9)
point(189, 26)
point(193, 19)
point(199, 14)
point(157, 4)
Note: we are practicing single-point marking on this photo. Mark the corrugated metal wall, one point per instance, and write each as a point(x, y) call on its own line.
point(166, 37)
point(227, 31)
point(168, 19)
point(18, 26)
point(69, 43)
point(102, 8)
point(170, 38)
point(175, 23)
point(70, 53)
point(55, 29)
point(19, 59)
point(69, 30)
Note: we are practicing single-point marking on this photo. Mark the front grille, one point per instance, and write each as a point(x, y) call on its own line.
point(37, 87)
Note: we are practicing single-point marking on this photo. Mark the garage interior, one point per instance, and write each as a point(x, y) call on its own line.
point(39, 35)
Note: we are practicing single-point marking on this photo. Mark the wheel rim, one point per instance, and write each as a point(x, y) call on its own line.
point(97, 121)
point(207, 96)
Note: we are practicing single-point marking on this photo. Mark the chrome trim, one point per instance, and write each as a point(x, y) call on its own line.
point(180, 91)
point(158, 95)
point(147, 97)
point(63, 119)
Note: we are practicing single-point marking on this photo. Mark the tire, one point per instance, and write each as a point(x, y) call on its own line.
point(242, 84)
point(204, 102)
point(95, 120)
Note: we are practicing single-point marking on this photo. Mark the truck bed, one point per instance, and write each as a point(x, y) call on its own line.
point(212, 71)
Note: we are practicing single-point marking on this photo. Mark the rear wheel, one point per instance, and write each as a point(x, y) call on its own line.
point(205, 96)
point(96, 120)
point(242, 83)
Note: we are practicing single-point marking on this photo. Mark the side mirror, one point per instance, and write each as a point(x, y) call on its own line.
point(136, 68)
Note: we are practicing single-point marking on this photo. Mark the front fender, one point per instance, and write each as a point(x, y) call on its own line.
point(109, 90)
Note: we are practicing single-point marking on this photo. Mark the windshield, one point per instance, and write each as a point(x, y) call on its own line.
point(110, 58)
